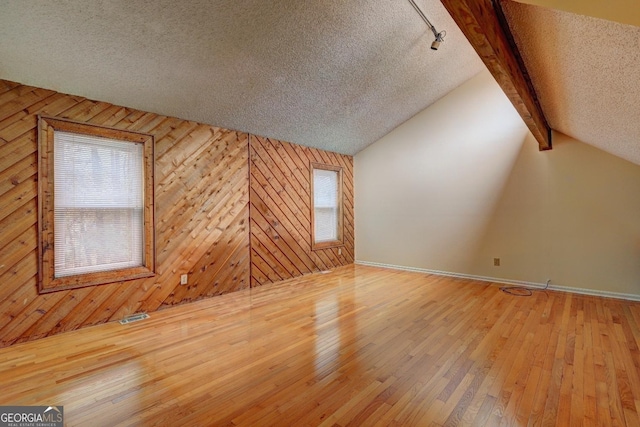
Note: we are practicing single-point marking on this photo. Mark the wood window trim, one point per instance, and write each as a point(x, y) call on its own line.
point(340, 241)
point(47, 282)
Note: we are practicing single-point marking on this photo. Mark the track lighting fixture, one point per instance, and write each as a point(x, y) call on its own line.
point(438, 34)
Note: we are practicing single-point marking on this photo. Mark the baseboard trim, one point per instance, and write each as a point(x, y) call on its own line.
point(581, 291)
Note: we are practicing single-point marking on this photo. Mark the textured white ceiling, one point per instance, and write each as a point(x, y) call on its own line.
point(336, 75)
point(586, 73)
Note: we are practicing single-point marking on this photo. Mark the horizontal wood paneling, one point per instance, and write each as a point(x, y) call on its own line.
point(202, 215)
point(281, 211)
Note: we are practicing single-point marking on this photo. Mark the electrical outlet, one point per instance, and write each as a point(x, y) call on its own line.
point(183, 279)
point(496, 262)
point(339, 251)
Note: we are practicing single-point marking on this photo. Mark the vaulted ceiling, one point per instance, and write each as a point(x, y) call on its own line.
point(585, 70)
point(331, 75)
point(335, 75)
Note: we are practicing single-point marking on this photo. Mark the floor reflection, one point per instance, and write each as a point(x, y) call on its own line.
point(336, 329)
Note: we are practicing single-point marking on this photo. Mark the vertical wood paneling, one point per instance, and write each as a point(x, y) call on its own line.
point(281, 211)
point(202, 216)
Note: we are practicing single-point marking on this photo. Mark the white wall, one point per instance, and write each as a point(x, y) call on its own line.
point(463, 182)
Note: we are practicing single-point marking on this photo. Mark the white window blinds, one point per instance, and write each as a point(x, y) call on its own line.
point(325, 203)
point(98, 204)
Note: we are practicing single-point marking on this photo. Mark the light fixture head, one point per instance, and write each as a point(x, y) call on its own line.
point(439, 35)
point(439, 39)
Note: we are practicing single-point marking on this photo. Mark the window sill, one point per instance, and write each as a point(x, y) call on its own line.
point(93, 279)
point(327, 245)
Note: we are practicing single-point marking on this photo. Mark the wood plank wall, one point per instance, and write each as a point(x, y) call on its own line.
point(211, 183)
point(281, 211)
point(202, 216)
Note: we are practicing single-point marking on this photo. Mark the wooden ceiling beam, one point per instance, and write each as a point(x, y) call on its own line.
point(484, 25)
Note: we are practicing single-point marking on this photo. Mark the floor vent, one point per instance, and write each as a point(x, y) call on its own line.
point(134, 318)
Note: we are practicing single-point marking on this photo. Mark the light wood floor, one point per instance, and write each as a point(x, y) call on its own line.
point(358, 346)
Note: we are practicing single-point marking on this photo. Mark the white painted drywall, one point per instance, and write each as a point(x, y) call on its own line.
point(463, 182)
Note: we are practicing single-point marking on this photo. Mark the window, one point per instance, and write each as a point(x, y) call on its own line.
point(95, 205)
point(326, 201)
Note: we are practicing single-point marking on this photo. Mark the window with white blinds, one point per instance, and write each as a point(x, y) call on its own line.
point(96, 192)
point(98, 204)
point(327, 206)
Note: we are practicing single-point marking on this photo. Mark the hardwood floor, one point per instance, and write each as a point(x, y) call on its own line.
point(357, 346)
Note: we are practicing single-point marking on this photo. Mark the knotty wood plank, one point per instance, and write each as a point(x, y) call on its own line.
point(178, 133)
point(260, 236)
point(291, 216)
point(18, 196)
point(188, 230)
point(285, 170)
point(132, 118)
point(151, 298)
point(19, 115)
point(299, 167)
point(149, 123)
point(268, 264)
point(52, 315)
point(29, 316)
point(20, 98)
point(77, 316)
point(15, 299)
point(18, 249)
point(16, 223)
point(214, 262)
point(16, 90)
point(236, 277)
point(179, 192)
point(110, 116)
point(86, 110)
point(17, 173)
point(279, 236)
